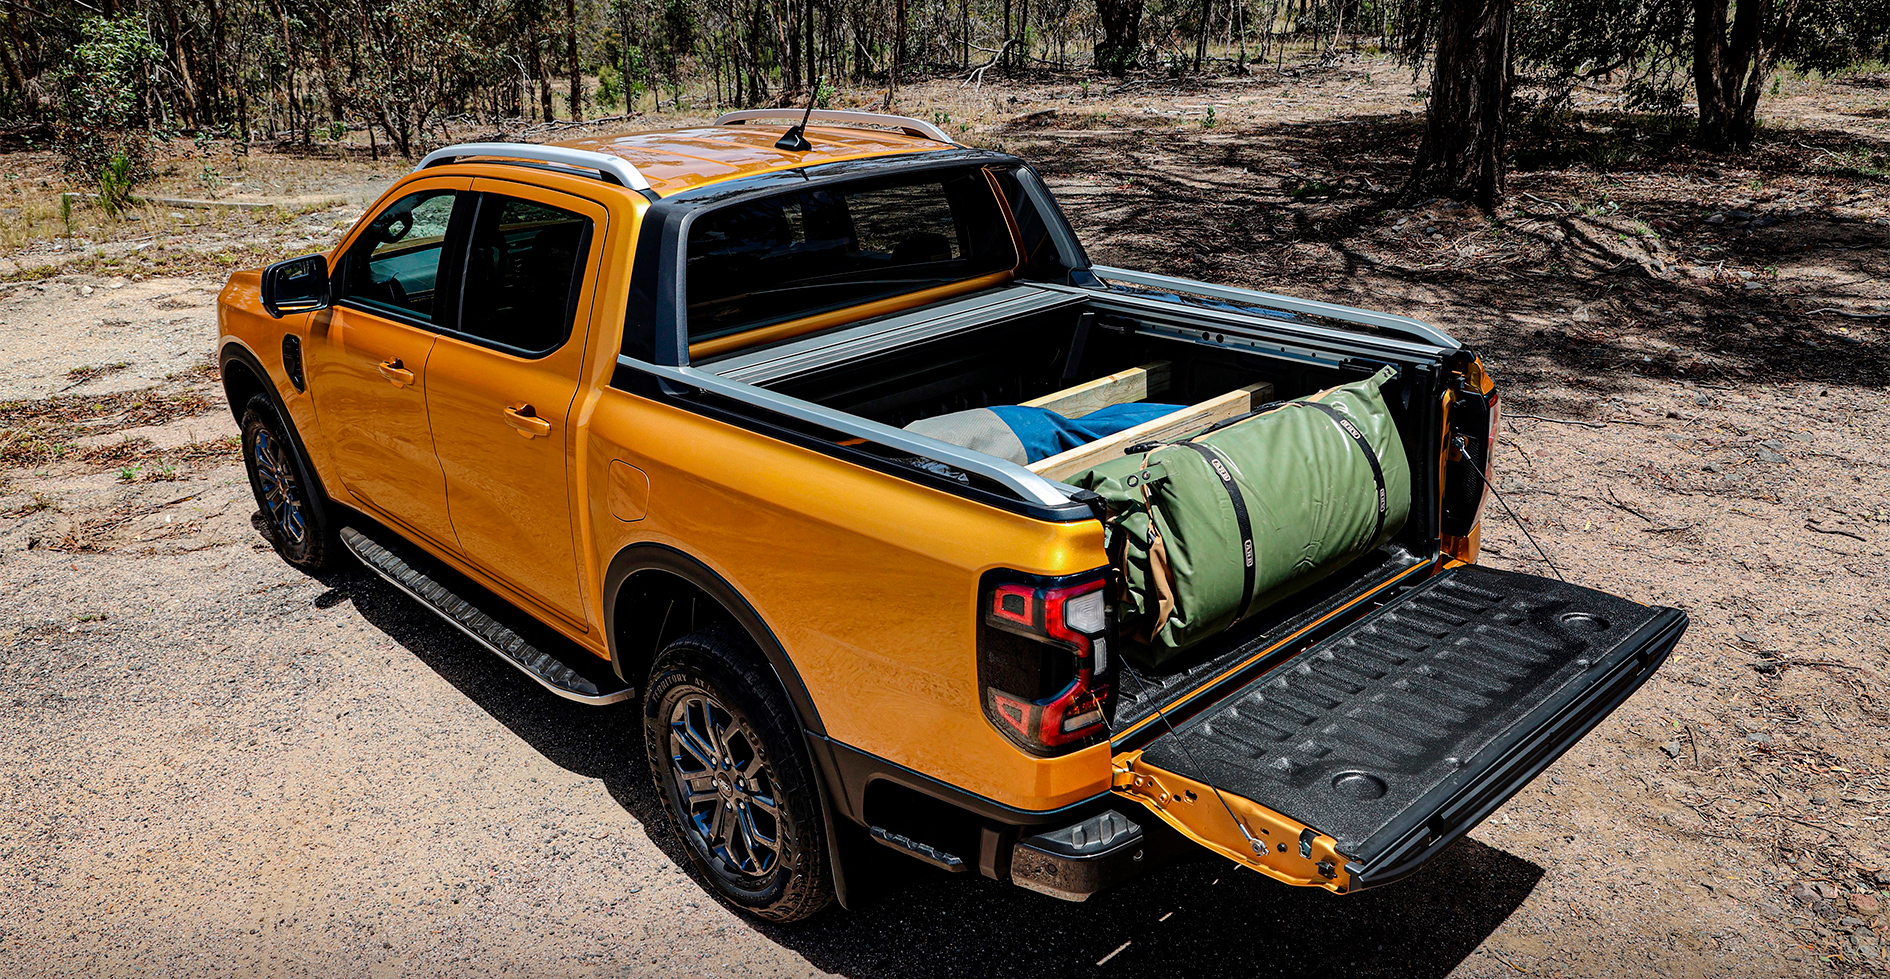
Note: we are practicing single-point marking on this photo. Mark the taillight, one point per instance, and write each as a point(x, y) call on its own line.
point(1042, 650)
point(1470, 460)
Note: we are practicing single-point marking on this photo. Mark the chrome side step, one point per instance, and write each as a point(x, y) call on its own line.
point(551, 673)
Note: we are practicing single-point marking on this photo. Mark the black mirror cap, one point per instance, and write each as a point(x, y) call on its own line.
point(298, 285)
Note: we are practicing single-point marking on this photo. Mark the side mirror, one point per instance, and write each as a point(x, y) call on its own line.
point(299, 285)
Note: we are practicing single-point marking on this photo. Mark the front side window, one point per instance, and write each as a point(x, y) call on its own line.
point(395, 265)
point(798, 253)
point(524, 265)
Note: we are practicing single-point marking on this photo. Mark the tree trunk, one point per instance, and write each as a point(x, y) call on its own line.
point(624, 25)
point(1006, 58)
point(1729, 72)
point(181, 57)
point(1201, 35)
point(1023, 32)
point(1466, 129)
point(571, 60)
point(1121, 44)
point(898, 53)
point(325, 53)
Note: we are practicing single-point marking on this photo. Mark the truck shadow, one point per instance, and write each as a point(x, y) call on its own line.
point(1207, 915)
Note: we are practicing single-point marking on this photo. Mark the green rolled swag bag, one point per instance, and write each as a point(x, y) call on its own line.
point(1211, 529)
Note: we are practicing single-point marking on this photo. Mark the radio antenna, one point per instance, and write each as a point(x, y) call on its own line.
point(795, 139)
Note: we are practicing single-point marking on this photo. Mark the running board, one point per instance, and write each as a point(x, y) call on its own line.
point(551, 673)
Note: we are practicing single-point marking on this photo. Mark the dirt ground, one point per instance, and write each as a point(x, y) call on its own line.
point(219, 765)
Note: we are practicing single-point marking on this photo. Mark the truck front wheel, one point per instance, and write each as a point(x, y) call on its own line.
point(734, 775)
point(295, 517)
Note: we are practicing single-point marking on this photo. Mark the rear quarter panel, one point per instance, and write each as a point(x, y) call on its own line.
point(867, 580)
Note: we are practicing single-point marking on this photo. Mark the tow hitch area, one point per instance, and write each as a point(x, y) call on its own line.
point(1357, 760)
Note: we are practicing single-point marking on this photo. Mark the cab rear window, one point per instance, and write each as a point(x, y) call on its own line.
point(799, 253)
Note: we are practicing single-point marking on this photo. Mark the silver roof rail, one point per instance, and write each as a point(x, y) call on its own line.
point(907, 124)
point(613, 168)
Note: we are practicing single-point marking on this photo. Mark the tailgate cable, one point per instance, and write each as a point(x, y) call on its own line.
point(1259, 848)
point(1460, 449)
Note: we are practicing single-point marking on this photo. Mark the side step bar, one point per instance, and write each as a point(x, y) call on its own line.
point(551, 673)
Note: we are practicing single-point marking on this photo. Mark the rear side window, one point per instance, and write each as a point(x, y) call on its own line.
point(795, 254)
point(394, 266)
point(524, 268)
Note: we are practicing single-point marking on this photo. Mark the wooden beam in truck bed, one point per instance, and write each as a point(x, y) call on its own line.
point(1066, 464)
point(1122, 387)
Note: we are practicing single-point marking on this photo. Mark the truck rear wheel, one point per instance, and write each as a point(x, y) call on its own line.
point(295, 517)
point(731, 766)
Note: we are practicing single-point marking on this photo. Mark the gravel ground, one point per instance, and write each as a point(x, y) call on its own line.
point(219, 765)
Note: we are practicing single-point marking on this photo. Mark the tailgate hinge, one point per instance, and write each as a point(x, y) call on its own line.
point(1239, 829)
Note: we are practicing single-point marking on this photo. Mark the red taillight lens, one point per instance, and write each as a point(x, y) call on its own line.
point(1042, 646)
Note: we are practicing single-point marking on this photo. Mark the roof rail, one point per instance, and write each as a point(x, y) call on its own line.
point(615, 169)
point(907, 124)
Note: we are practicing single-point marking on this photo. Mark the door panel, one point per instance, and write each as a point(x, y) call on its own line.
point(1402, 731)
point(367, 358)
point(501, 389)
point(368, 378)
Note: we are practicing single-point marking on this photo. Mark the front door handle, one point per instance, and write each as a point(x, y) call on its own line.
point(396, 372)
point(526, 420)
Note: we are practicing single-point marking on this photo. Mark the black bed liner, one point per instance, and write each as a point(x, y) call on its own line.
point(1405, 729)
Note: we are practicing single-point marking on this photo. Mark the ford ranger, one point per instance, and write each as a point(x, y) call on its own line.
point(645, 416)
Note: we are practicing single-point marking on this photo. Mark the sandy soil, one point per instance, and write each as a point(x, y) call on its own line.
point(219, 765)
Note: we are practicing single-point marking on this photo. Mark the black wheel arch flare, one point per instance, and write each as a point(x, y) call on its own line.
point(669, 560)
point(234, 352)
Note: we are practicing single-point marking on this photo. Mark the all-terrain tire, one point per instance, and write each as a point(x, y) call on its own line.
point(732, 769)
point(297, 521)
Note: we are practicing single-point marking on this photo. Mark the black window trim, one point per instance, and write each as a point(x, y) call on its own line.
point(659, 306)
point(464, 256)
point(446, 279)
point(455, 251)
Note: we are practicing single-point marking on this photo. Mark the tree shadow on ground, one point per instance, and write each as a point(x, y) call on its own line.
point(1216, 918)
point(1306, 208)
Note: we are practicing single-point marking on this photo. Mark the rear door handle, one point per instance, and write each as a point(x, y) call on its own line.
point(526, 420)
point(394, 371)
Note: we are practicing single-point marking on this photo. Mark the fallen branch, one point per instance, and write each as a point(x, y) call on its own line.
point(976, 78)
point(1780, 815)
point(1814, 528)
point(1558, 421)
point(1558, 207)
point(1846, 312)
point(1622, 506)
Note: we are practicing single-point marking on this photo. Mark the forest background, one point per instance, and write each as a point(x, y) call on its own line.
point(100, 79)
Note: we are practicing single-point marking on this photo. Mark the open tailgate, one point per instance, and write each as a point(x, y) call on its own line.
point(1360, 758)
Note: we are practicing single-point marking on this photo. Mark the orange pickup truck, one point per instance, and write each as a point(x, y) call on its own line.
point(632, 413)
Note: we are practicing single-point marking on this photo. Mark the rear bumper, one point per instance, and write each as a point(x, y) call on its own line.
point(1403, 847)
point(1051, 863)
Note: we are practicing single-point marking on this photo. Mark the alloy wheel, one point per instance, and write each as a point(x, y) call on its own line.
point(724, 790)
point(280, 492)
